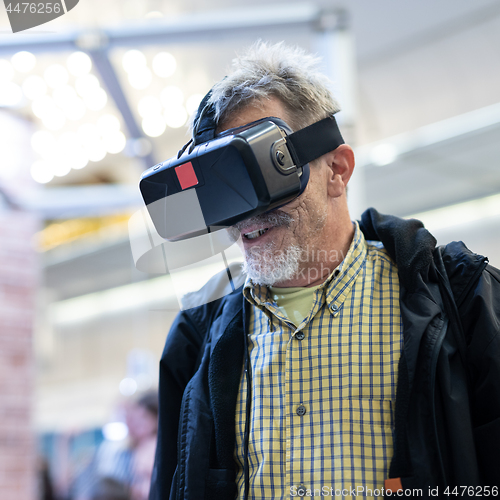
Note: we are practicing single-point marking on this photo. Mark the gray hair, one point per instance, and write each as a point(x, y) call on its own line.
point(287, 73)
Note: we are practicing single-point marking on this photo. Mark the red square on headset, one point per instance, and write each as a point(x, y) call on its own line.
point(185, 174)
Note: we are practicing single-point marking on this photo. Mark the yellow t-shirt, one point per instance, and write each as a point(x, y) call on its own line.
point(295, 303)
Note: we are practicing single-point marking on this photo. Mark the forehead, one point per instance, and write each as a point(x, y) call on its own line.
point(255, 111)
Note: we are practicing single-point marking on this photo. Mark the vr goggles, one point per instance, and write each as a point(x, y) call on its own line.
point(243, 172)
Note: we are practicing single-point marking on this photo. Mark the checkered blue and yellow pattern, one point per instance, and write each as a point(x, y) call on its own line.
point(323, 392)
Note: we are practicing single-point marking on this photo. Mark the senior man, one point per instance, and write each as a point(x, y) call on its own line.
point(356, 358)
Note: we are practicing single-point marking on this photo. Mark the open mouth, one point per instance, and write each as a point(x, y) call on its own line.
point(256, 233)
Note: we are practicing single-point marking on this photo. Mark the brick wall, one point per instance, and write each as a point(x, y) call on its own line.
point(18, 283)
point(18, 280)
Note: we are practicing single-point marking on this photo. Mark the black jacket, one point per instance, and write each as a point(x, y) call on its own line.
point(447, 417)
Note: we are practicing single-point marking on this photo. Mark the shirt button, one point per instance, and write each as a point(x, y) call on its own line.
point(301, 410)
point(301, 490)
point(300, 336)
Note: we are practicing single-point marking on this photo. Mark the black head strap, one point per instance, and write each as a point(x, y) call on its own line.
point(305, 145)
point(204, 124)
point(314, 141)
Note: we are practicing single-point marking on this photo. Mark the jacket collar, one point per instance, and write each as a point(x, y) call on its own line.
point(408, 243)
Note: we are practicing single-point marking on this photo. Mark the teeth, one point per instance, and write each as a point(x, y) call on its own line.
point(255, 234)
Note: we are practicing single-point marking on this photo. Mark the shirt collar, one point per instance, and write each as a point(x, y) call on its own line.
point(340, 282)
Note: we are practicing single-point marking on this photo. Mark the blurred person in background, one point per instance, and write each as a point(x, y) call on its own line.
point(45, 486)
point(143, 467)
point(108, 488)
point(129, 462)
point(142, 422)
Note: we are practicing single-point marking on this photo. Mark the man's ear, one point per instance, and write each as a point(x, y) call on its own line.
point(340, 164)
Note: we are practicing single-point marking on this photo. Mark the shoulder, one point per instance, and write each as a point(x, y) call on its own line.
point(220, 285)
point(463, 267)
point(218, 295)
point(214, 302)
point(191, 330)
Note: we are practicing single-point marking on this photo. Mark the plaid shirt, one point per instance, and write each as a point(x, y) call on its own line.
point(322, 402)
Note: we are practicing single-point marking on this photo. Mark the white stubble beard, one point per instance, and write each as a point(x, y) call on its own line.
point(265, 265)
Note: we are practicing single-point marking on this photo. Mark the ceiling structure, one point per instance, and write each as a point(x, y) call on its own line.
point(416, 64)
point(427, 122)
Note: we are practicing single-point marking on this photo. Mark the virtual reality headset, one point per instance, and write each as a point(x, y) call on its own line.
point(238, 174)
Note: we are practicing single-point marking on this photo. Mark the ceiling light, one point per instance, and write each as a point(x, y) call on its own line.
point(23, 61)
point(59, 163)
point(75, 110)
point(61, 167)
point(70, 147)
point(56, 76)
point(44, 143)
point(172, 96)
point(64, 95)
point(96, 152)
point(96, 99)
point(141, 79)
point(164, 64)
point(154, 126)
point(68, 142)
point(41, 171)
point(79, 160)
point(55, 120)
point(115, 142)
point(34, 86)
point(88, 134)
point(133, 60)
point(6, 71)
point(86, 84)
point(108, 124)
point(79, 64)
point(43, 106)
point(176, 116)
point(149, 105)
point(10, 94)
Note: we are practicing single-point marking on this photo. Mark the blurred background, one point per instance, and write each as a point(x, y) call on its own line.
point(93, 98)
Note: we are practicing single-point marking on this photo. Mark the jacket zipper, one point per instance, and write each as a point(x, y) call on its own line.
point(184, 404)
